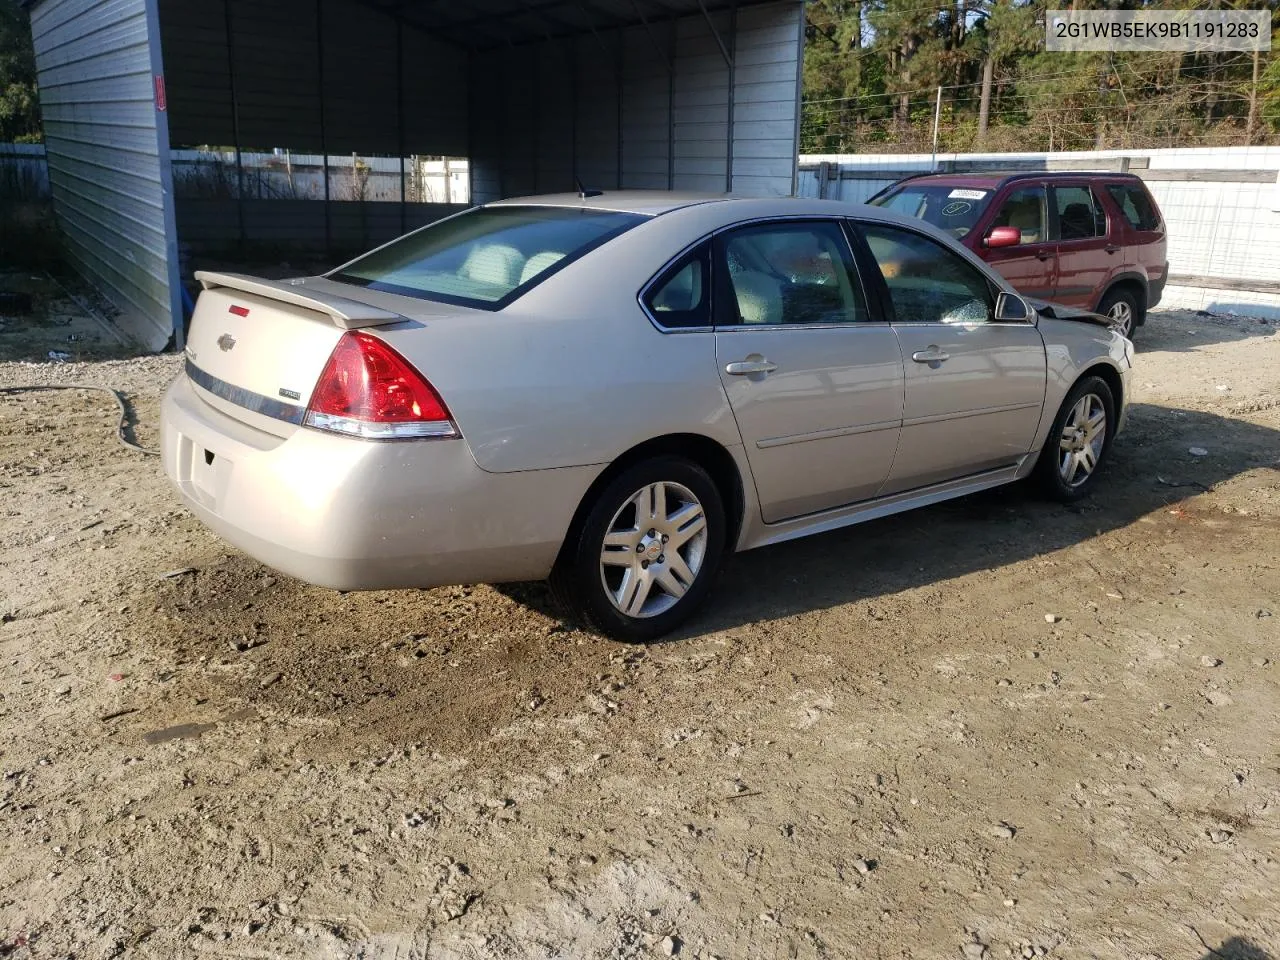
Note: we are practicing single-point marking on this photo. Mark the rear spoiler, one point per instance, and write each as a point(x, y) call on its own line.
point(348, 314)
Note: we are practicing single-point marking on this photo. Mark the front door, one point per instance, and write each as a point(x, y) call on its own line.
point(815, 379)
point(1085, 253)
point(1032, 265)
point(974, 387)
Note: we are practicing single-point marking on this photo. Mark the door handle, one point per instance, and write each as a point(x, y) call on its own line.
point(932, 355)
point(1111, 248)
point(752, 365)
point(1043, 255)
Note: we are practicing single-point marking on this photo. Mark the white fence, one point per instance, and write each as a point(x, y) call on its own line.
point(1222, 207)
point(282, 175)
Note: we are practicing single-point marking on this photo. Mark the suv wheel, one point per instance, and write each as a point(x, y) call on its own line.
point(647, 553)
point(1121, 305)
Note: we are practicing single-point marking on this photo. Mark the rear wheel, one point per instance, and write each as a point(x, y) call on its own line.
point(1078, 441)
point(1122, 305)
point(647, 552)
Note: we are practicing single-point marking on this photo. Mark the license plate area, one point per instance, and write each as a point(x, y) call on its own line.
point(202, 472)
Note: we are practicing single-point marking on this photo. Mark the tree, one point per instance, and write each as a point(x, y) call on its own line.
point(19, 104)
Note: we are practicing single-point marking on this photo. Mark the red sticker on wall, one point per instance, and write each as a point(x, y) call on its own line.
point(162, 102)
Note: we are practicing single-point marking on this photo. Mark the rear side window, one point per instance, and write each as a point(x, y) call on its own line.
point(488, 256)
point(1135, 205)
point(789, 272)
point(681, 297)
point(1080, 215)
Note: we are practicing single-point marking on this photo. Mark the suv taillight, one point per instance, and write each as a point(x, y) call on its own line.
point(368, 390)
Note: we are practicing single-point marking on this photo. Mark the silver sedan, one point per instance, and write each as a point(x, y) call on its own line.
point(613, 391)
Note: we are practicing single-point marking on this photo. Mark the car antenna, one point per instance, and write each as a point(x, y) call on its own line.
point(583, 192)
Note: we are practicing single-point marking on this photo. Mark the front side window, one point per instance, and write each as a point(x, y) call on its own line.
point(789, 273)
point(681, 297)
point(488, 256)
point(927, 283)
point(1135, 205)
point(954, 209)
point(1027, 209)
point(1080, 215)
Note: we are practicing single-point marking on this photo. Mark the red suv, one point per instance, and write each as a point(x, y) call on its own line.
point(1089, 240)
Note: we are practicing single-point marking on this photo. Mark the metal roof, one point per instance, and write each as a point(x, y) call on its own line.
point(486, 24)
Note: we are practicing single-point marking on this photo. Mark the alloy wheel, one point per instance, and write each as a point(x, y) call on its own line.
point(1122, 313)
point(653, 549)
point(1083, 437)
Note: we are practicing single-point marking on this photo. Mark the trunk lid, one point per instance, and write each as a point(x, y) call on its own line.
point(257, 347)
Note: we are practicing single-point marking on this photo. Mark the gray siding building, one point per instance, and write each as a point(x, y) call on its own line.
point(527, 96)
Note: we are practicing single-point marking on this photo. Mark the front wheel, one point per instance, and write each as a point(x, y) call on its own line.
point(1078, 442)
point(645, 556)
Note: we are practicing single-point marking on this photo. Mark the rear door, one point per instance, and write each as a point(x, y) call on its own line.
point(974, 387)
point(1144, 242)
point(1086, 254)
point(814, 377)
point(1032, 266)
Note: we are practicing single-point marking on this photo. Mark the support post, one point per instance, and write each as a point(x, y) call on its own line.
point(671, 107)
point(937, 117)
point(324, 142)
point(731, 55)
point(235, 126)
point(400, 141)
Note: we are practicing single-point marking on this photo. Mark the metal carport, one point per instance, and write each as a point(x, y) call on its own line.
point(536, 95)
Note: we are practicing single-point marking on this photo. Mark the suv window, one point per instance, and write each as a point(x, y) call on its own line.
point(954, 209)
point(1080, 215)
point(789, 273)
point(1026, 209)
point(1135, 205)
point(681, 297)
point(485, 257)
point(927, 282)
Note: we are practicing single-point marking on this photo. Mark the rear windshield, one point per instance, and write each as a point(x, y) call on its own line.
point(950, 208)
point(485, 257)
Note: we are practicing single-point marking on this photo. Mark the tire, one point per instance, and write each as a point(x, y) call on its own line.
point(632, 595)
point(1123, 305)
point(1058, 471)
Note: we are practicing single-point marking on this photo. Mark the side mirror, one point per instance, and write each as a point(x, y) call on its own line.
point(1011, 308)
point(1003, 237)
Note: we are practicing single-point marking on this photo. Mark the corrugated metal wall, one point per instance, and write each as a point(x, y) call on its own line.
point(666, 104)
point(320, 76)
point(107, 151)
point(655, 107)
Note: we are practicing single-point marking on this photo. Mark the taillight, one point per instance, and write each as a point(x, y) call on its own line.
point(368, 390)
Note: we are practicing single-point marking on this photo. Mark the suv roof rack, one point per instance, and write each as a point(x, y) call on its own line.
point(1006, 177)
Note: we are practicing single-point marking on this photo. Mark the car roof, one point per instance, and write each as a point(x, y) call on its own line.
point(646, 202)
point(718, 209)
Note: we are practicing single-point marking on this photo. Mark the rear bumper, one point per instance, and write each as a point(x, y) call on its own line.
point(1155, 290)
point(361, 515)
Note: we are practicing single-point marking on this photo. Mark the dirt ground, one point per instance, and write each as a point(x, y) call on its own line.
point(993, 723)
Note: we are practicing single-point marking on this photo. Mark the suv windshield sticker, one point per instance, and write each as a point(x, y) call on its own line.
point(966, 194)
point(956, 207)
